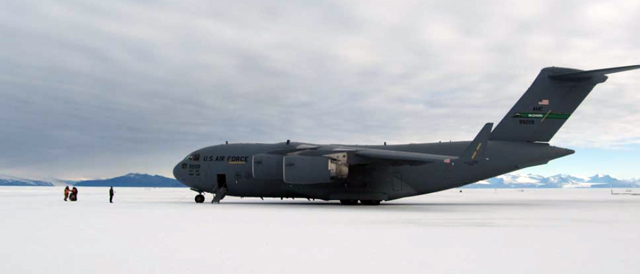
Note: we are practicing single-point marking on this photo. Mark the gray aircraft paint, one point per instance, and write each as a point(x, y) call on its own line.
point(391, 172)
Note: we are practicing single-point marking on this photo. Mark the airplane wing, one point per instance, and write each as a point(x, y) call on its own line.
point(401, 157)
point(299, 148)
point(474, 151)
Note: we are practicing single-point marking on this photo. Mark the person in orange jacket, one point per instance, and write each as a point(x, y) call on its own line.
point(66, 193)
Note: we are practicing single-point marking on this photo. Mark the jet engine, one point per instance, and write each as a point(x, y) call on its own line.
point(315, 169)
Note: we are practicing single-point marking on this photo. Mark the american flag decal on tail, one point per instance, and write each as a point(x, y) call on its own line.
point(544, 102)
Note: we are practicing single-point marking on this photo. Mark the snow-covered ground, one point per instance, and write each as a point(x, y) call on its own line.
point(164, 231)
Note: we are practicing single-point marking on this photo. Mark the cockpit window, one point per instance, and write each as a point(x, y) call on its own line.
point(193, 157)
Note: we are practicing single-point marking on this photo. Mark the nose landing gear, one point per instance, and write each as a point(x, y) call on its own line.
point(199, 198)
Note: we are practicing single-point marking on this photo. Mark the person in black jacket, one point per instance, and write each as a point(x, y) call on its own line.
point(111, 192)
point(74, 194)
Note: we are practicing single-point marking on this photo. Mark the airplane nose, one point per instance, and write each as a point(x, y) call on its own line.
point(178, 173)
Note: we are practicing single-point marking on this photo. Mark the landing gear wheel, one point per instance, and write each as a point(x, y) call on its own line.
point(199, 198)
point(370, 202)
point(349, 202)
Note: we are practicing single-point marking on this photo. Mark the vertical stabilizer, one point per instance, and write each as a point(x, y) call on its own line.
point(552, 98)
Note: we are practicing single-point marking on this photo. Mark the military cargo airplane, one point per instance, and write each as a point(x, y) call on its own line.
point(370, 174)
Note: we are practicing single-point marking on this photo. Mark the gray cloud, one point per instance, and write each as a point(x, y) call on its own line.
point(95, 88)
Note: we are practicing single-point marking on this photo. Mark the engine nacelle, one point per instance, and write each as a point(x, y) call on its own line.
point(315, 169)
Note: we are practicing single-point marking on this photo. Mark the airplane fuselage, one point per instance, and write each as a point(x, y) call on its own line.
point(231, 166)
point(370, 174)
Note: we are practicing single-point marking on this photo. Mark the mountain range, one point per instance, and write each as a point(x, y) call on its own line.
point(504, 181)
point(129, 180)
point(516, 180)
point(15, 181)
point(132, 180)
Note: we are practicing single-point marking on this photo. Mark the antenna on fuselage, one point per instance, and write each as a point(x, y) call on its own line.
point(288, 141)
point(226, 142)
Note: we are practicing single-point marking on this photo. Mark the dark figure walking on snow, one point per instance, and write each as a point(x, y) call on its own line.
point(74, 194)
point(111, 195)
point(66, 193)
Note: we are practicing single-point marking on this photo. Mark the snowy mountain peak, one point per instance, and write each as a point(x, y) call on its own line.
point(136, 175)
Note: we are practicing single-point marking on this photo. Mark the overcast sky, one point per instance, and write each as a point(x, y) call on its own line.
point(95, 89)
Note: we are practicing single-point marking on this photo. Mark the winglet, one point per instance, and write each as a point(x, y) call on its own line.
point(478, 146)
point(587, 74)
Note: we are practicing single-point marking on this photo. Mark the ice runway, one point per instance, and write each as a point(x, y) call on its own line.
point(164, 231)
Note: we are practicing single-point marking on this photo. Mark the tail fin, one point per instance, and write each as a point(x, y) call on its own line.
point(478, 146)
point(552, 98)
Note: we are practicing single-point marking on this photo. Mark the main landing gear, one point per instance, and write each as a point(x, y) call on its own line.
point(364, 202)
point(199, 198)
point(370, 202)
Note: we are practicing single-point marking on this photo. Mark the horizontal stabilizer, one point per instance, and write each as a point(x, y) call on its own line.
point(583, 75)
